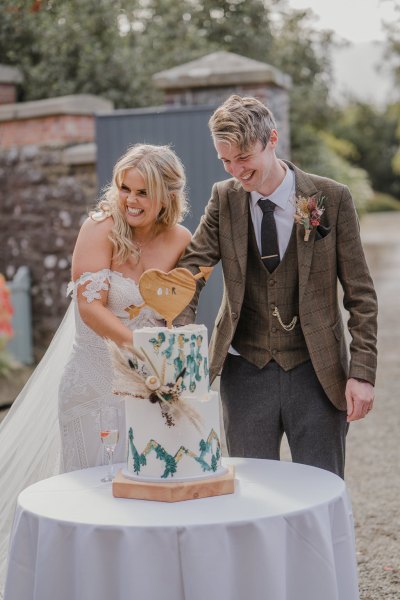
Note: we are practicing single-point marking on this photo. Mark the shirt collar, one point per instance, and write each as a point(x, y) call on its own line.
point(281, 195)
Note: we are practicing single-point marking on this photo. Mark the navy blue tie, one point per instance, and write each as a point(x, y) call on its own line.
point(269, 236)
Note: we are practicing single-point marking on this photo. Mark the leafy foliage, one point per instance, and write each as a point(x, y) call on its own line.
point(393, 41)
point(66, 47)
point(374, 135)
point(113, 48)
point(383, 202)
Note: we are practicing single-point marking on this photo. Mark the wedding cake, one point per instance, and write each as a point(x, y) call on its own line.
point(172, 417)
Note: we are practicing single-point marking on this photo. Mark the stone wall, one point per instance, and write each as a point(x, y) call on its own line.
point(10, 77)
point(8, 93)
point(44, 198)
point(47, 185)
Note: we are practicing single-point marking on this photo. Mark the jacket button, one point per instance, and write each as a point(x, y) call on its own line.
point(273, 352)
point(272, 282)
point(234, 316)
point(274, 329)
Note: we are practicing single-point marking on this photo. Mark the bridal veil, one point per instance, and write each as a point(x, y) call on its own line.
point(30, 446)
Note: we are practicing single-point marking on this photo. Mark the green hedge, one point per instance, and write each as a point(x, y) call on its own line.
point(382, 202)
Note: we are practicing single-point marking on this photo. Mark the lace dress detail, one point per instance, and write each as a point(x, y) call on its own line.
point(86, 384)
point(98, 282)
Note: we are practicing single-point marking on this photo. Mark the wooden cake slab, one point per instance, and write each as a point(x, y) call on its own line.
point(122, 487)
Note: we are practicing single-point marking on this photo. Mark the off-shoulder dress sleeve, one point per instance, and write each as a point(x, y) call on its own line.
point(97, 282)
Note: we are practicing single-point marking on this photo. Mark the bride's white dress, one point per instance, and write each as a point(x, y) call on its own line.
point(86, 385)
point(77, 369)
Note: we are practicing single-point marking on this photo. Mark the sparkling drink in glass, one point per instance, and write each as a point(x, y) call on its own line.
point(109, 434)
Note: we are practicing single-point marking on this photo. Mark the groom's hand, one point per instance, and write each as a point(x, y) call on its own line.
point(359, 398)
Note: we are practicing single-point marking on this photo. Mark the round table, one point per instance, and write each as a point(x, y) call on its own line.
point(286, 533)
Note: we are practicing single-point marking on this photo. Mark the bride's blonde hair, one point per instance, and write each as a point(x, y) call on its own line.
point(165, 181)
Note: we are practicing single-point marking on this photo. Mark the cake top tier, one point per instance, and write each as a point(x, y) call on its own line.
point(163, 363)
point(175, 355)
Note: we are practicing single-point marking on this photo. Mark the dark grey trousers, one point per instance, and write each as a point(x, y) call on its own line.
point(259, 405)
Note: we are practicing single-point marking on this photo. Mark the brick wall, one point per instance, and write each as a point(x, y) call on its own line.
point(54, 129)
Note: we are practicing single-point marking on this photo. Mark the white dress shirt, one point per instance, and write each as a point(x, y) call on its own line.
point(284, 198)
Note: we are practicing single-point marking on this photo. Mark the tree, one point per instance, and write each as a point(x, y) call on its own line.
point(241, 26)
point(68, 47)
point(113, 48)
point(393, 41)
point(373, 133)
point(304, 54)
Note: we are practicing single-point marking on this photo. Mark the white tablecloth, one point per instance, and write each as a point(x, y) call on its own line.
point(285, 534)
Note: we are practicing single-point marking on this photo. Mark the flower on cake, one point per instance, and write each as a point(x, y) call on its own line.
point(153, 383)
point(135, 375)
point(308, 212)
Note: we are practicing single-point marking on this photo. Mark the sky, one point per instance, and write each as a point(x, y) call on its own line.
point(354, 20)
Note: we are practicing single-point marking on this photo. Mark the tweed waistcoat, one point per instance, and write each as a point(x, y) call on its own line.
point(259, 336)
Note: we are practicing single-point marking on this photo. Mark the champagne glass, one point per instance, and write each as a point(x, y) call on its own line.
point(109, 434)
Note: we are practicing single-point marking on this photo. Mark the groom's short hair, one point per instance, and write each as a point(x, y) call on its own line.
point(242, 121)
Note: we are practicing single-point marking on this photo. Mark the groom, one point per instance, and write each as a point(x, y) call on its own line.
point(278, 340)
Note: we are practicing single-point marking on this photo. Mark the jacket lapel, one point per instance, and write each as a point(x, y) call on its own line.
point(304, 187)
point(239, 218)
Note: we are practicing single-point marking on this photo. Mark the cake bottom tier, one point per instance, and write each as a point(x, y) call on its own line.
point(183, 447)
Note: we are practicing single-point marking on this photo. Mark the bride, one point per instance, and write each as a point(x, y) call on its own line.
point(134, 228)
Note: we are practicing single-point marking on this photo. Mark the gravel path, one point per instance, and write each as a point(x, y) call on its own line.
point(372, 472)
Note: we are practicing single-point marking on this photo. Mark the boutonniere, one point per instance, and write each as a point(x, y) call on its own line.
point(308, 213)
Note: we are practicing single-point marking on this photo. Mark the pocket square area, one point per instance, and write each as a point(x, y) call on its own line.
point(322, 232)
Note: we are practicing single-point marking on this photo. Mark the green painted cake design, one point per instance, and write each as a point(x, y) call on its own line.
point(208, 456)
point(193, 363)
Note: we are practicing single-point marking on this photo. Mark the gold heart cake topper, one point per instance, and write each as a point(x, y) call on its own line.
point(167, 293)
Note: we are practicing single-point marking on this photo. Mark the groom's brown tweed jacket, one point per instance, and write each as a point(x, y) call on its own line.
point(223, 235)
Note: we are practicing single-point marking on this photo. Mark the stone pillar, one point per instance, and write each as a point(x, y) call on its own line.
point(63, 120)
point(213, 78)
point(48, 185)
point(10, 77)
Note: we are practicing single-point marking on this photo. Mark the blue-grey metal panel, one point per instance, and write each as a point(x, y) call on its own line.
point(186, 130)
point(20, 345)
